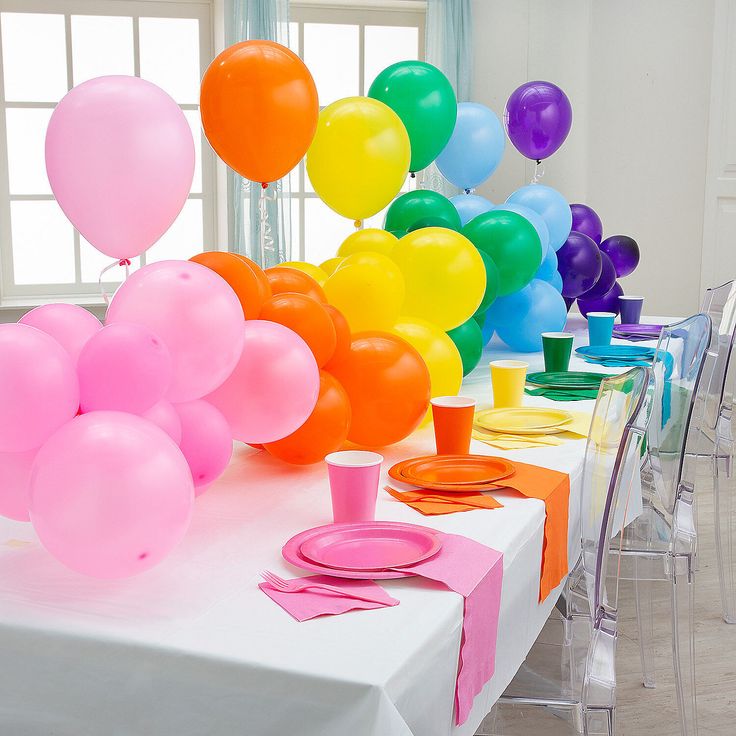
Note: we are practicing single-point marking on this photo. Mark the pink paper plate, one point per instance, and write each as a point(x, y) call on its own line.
point(291, 553)
point(370, 546)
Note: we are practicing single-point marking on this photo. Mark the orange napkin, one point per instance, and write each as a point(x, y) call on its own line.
point(553, 488)
point(432, 503)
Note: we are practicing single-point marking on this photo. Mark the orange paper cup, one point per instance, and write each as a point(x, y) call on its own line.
point(453, 424)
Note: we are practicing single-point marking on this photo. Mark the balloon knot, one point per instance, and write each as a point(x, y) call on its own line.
point(264, 185)
point(412, 175)
point(539, 161)
point(124, 262)
point(358, 224)
point(467, 191)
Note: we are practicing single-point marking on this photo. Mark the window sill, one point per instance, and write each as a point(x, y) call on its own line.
point(13, 308)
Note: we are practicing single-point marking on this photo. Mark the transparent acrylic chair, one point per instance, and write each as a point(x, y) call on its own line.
point(660, 545)
point(569, 675)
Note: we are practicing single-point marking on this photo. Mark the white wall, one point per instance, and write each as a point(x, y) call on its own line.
point(638, 75)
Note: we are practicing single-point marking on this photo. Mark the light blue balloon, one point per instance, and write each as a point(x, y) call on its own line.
point(521, 318)
point(556, 280)
point(539, 224)
point(551, 205)
point(469, 206)
point(548, 266)
point(475, 147)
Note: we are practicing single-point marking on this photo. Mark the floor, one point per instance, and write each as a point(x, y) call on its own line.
point(653, 712)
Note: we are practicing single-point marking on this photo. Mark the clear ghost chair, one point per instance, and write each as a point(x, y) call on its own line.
point(660, 544)
point(569, 674)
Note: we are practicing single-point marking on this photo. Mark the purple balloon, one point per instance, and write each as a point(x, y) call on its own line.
point(579, 263)
point(623, 251)
point(538, 117)
point(586, 221)
point(605, 281)
point(569, 301)
point(607, 303)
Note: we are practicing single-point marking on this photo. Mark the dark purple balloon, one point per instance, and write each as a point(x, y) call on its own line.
point(538, 117)
point(623, 251)
point(579, 263)
point(605, 281)
point(607, 303)
point(586, 221)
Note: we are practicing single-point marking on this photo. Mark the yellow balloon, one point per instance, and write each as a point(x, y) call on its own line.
point(438, 351)
point(372, 239)
point(444, 274)
point(308, 268)
point(368, 289)
point(359, 157)
point(331, 265)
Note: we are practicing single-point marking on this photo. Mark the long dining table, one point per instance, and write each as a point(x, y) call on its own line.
point(194, 648)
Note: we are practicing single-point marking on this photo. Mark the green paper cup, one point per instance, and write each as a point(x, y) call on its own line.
point(557, 348)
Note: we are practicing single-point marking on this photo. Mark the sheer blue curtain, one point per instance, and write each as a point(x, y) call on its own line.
point(246, 20)
point(448, 44)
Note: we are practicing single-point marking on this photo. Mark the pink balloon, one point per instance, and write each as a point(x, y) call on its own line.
point(274, 386)
point(164, 416)
point(124, 367)
point(15, 477)
point(120, 161)
point(206, 442)
point(195, 313)
point(71, 326)
point(111, 494)
point(39, 390)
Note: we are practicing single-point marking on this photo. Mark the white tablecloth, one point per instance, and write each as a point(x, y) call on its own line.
point(193, 647)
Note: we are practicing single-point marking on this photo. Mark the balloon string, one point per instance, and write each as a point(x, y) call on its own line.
point(122, 262)
point(538, 171)
point(267, 244)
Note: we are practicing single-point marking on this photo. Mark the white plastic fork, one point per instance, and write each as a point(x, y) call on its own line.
point(295, 586)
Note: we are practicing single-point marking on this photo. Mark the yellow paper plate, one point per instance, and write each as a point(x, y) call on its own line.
point(528, 420)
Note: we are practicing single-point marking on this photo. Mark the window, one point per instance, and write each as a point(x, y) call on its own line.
point(365, 40)
point(46, 48)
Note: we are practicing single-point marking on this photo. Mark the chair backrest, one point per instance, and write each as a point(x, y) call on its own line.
point(719, 304)
point(678, 366)
point(611, 465)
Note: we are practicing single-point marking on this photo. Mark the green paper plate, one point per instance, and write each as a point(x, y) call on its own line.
point(567, 379)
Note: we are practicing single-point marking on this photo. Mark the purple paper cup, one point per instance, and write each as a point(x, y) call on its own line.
point(354, 478)
point(630, 308)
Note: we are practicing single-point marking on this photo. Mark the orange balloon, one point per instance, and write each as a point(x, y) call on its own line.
point(263, 284)
point(283, 279)
point(325, 430)
point(259, 109)
point(388, 386)
point(241, 278)
point(308, 318)
point(342, 332)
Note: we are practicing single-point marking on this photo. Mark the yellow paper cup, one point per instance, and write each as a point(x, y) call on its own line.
point(507, 379)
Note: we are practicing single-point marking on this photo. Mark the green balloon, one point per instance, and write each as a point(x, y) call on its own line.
point(431, 222)
point(468, 340)
point(397, 233)
point(492, 283)
point(513, 244)
point(419, 204)
point(422, 96)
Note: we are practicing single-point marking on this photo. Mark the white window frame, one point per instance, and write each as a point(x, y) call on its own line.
point(408, 13)
point(205, 11)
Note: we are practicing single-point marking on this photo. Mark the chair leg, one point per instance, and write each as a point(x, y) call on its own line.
point(725, 531)
point(683, 648)
point(644, 595)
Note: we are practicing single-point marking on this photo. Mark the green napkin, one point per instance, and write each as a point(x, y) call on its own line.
point(563, 394)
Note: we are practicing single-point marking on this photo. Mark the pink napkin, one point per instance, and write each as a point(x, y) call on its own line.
point(476, 572)
point(311, 603)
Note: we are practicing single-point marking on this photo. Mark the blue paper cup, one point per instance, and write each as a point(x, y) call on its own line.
point(600, 327)
point(630, 307)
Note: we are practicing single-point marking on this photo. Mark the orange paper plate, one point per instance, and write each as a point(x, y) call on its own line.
point(453, 472)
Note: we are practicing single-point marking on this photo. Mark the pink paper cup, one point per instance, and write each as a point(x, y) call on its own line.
point(354, 476)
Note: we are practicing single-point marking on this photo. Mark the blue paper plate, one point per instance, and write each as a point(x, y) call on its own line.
point(620, 352)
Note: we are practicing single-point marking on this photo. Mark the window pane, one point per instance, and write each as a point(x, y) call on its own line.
point(184, 238)
point(294, 38)
point(92, 262)
point(324, 230)
point(43, 243)
point(101, 45)
point(376, 220)
point(169, 49)
point(196, 126)
point(25, 78)
point(296, 249)
point(385, 45)
point(26, 131)
point(331, 53)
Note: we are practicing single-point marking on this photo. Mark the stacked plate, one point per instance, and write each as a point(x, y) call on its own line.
point(523, 421)
point(620, 353)
point(453, 473)
point(637, 332)
point(364, 551)
point(568, 380)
